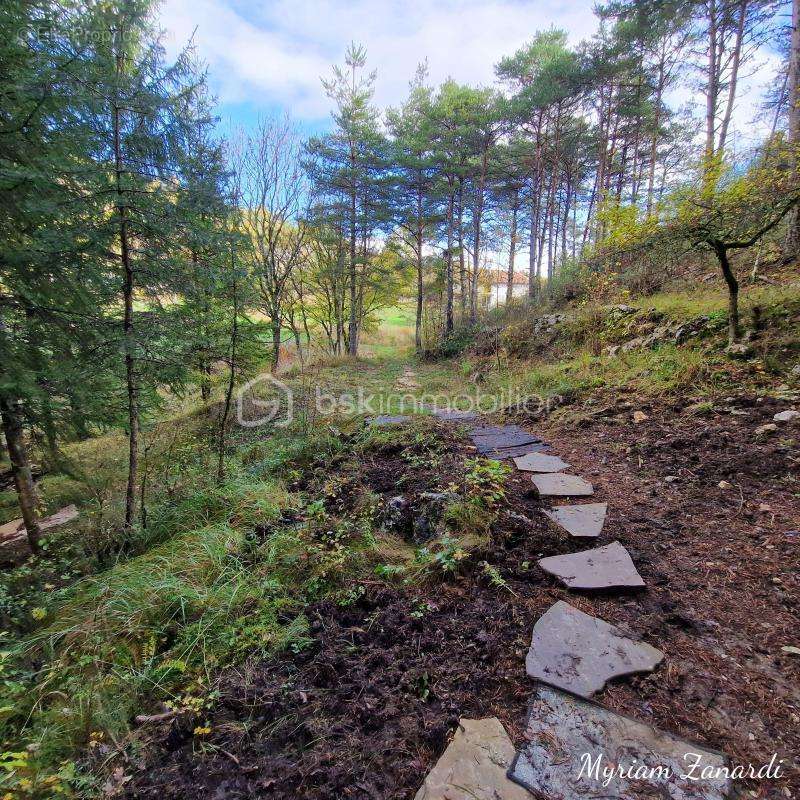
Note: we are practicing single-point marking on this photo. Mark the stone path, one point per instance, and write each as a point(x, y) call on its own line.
point(573, 654)
point(556, 484)
point(570, 742)
point(580, 653)
point(474, 766)
point(539, 462)
point(609, 567)
point(583, 521)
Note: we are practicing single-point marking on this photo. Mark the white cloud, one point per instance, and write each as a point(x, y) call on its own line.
point(274, 53)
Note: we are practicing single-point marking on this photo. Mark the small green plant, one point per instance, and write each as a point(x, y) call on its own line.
point(349, 597)
point(389, 570)
point(422, 686)
point(420, 608)
point(485, 480)
point(316, 509)
point(449, 555)
point(495, 578)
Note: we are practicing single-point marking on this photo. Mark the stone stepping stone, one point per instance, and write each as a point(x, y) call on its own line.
point(474, 766)
point(387, 419)
point(539, 462)
point(608, 567)
point(583, 522)
point(557, 484)
point(497, 438)
point(566, 737)
point(455, 415)
point(574, 651)
point(513, 452)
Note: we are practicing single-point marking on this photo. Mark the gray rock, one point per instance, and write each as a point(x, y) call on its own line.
point(395, 512)
point(581, 521)
point(787, 416)
point(571, 741)
point(770, 427)
point(539, 462)
point(556, 484)
point(512, 452)
point(428, 513)
point(454, 415)
point(622, 309)
point(739, 350)
point(474, 766)
point(580, 653)
point(488, 438)
point(608, 567)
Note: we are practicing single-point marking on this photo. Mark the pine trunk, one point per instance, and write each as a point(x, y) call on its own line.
point(127, 323)
point(448, 316)
point(793, 232)
point(512, 249)
point(21, 469)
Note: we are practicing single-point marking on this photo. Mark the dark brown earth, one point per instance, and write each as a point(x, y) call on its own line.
point(366, 711)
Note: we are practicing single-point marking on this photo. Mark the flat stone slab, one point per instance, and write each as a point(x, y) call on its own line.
point(580, 653)
point(571, 741)
point(608, 567)
point(474, 766)
point(540, 462)
point(492, 438)
point(513, 452)
point(387, 419)
point(583, 522)
point(557, 484)
point(455, 416)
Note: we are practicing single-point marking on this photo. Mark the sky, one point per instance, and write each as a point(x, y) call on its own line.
point(268, 56)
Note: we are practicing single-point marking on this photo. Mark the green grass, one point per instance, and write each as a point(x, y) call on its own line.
point(703, 300)
point(104, 629)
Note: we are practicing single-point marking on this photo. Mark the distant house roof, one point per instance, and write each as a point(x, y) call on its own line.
point(500, 278)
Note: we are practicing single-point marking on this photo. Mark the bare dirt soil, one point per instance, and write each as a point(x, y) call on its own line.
point(366, 711)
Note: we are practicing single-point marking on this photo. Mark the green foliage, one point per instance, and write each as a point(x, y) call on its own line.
point(495, 578)
point(485, 481)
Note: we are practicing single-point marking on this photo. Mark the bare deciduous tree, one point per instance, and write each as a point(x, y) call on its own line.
point(275, 197)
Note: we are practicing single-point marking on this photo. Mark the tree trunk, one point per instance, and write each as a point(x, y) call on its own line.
point(276, 344)
point(418, 319)
point(734, 329)
point(476, 249)
point(223, 421)
point(512, 249)
point(651, 171)
point(352, 338)
point(448, 316)
point(533, 286)
point(711, 86)
point(734, 76)
point(462, 269)
point(793, 231)
point(420, 286)
point(21, 469)
point(127, 328)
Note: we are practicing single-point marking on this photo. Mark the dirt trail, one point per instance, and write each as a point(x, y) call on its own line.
point(366, 712)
